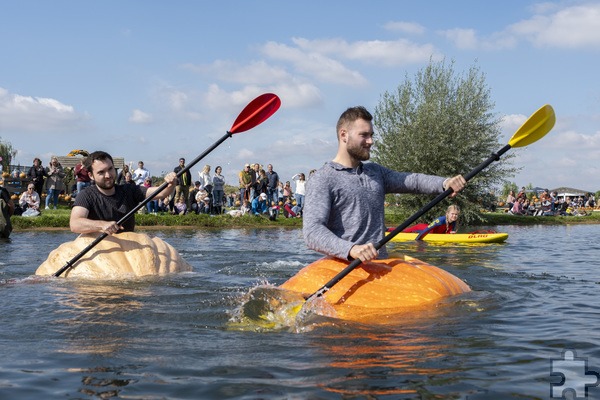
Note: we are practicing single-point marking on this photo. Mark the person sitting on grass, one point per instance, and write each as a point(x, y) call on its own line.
point(259, 205)
point(518, 208)
point(30, 202)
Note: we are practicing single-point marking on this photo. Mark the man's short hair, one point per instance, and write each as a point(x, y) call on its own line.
point(352, 114)
point(97, 155)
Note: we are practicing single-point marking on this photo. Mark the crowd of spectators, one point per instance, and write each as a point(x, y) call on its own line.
point(260, 191)
point(549, 204)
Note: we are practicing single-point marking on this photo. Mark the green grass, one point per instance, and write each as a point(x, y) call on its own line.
point(394, 216)
point(60, 219)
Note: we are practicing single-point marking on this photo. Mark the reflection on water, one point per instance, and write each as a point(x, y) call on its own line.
point(96, 318)
point(169, 337)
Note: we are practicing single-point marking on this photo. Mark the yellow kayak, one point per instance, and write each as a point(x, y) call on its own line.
point(473, 237)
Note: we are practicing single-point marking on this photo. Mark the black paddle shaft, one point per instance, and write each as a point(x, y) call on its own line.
point(356, 262)
point(162, 187)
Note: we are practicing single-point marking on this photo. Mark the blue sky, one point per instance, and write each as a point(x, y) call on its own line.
point(158, 80)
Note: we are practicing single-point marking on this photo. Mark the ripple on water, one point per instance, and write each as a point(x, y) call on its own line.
point(533, 297)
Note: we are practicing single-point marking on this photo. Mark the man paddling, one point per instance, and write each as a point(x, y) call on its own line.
point(100, 206)
point(344, 211)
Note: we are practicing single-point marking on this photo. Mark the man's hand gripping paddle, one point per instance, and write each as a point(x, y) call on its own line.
point(256, 112)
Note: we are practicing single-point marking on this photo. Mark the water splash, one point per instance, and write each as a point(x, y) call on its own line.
point(268, 308)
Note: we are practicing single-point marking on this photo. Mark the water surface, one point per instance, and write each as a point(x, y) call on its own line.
point(167, 338)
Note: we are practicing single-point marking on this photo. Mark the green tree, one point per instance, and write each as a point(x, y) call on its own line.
point(6, 154)
point(441, 123)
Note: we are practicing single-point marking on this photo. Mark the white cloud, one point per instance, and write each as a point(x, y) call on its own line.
point(382, 52)
point(36, 114)
point(405, 27)
point(465, 39)
point(178, 103)
point(571, 27)
point(140, 117)
point(314, 64)
point(575, 27)
point(512, 122)
point(254, 73)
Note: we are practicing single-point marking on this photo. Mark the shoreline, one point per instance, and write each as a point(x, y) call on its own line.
point(60, 221)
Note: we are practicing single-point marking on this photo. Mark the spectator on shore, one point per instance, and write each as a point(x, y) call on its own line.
point(259, 205)
point(287, 191)
point(289, 209)
point(180, 208)
point(246, 182)
point(204, 205)
point(54, 182)
point(272, 184)
point(140, 174)
point(182, 190)
point(82, 175)
point(192, 197)
point(218, 192)
point(121, 175)
point(517, 208)
point(36, 174)
point(510, 199)
point(591, 201)
point(30, 201)
point(129, 179)
point(255, 188)
point(300, 191)
point(152, 205)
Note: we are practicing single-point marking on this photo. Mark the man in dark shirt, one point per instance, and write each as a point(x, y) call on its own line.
point(272, 185)
point(100, 206)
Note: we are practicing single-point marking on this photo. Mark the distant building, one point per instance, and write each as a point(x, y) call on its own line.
point(71, 162)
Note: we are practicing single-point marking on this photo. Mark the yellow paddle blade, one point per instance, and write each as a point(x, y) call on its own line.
point(535, 128)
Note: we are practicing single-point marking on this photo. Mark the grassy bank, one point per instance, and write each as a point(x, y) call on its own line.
point(60, 219)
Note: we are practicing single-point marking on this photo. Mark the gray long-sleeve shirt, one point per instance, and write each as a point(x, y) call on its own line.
point(345, 206)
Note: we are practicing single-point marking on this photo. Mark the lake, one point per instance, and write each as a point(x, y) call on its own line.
point(533, 299)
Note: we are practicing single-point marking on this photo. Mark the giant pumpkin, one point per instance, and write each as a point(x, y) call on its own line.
point(124, 255)
point(377, 288)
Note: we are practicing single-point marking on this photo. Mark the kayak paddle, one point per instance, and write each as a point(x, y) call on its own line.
point(256, 112)
point(535, 128)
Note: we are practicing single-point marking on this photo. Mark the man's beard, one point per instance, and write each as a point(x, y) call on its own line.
point(107, 184)
point(358, 152)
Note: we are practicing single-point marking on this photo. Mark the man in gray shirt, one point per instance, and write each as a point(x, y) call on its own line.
point(344, 210)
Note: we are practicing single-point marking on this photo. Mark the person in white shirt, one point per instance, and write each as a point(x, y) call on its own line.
point(140, 174)
point(30, 198)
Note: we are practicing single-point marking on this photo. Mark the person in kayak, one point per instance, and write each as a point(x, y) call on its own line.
point(445, 224)
point(344, 208)
point(100, 206)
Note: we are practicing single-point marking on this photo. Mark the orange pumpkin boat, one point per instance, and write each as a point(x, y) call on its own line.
point(377, 289)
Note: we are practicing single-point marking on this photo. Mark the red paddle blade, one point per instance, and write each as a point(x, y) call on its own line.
point(256, 112)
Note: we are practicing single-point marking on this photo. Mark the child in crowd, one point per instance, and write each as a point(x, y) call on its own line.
point(180, 208)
